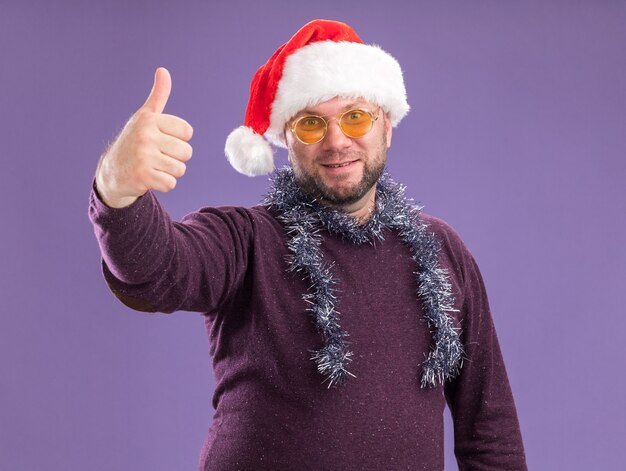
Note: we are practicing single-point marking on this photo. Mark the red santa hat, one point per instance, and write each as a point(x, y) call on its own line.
point(323, 60)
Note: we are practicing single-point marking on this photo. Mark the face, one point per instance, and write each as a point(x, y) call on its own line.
point(339, 170)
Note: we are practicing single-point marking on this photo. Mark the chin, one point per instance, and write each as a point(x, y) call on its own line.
point(343, 196)
point(340, 191)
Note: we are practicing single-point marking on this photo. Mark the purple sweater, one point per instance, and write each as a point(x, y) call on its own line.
point(271, 409)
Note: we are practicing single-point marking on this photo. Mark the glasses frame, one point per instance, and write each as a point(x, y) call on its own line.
point(326, 120)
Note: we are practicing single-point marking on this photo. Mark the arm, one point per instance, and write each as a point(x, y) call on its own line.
point(152, 263)
point(486, 429)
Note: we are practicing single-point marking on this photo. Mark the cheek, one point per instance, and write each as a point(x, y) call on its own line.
point(294, 158)
point(300, 155)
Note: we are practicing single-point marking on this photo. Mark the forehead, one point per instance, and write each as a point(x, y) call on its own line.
point(336, 105)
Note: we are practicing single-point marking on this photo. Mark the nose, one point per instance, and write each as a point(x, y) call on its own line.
point(335, 139)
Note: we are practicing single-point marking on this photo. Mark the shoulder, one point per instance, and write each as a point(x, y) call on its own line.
point(444, 233)
point(249, 221)
point(453, 252)
point(237, 214)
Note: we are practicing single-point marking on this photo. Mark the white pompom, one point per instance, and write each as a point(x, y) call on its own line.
point(249, 153)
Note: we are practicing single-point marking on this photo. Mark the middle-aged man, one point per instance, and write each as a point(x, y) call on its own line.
point(341, 318)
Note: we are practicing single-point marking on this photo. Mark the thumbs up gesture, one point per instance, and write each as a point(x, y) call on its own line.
point(149, 153)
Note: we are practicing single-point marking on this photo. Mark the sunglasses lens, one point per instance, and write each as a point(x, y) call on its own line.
point(356, 123)
point(310, 129)
point(353, 123)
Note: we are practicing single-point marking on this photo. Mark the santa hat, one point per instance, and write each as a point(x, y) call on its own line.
point(323, 60)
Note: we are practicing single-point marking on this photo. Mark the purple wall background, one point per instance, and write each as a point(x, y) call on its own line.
point(516, 138)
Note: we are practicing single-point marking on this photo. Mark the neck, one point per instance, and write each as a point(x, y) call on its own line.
point(360, 210)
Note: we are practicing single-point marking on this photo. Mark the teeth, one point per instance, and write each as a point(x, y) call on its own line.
point(340, 165)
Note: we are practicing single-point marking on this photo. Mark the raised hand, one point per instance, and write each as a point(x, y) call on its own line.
point(149, 153)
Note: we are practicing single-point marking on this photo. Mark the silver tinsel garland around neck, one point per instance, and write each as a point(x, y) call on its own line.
point(304, 218)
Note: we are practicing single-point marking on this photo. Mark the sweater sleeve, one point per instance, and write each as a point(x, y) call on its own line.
point(153, 264)
point(487, 435)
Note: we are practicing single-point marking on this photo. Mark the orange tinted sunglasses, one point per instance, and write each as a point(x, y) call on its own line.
point(355, 123)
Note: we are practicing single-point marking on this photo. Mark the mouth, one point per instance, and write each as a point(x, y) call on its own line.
point(339, 165)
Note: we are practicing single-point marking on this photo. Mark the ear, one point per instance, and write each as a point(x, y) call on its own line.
point(286, 137)
point(388, 130)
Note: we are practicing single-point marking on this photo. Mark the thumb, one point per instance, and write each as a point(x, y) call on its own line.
point(160, 91)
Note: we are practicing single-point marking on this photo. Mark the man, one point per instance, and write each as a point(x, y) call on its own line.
point(341, 318)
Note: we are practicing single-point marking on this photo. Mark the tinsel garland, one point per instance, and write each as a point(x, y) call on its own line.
point(304, 218)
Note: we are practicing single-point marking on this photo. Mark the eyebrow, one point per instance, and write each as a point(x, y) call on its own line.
point(308, 111)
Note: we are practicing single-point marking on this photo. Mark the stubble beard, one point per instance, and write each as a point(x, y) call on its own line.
point(314, 186)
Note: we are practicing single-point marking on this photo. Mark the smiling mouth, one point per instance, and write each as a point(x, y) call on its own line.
point(345, 164)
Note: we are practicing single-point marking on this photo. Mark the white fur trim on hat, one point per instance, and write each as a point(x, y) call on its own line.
point(323, 70)
point(249, 153)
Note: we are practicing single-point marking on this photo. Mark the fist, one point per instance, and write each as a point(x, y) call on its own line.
point(149, 153)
